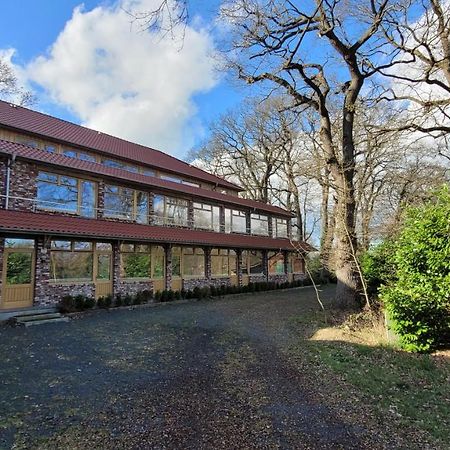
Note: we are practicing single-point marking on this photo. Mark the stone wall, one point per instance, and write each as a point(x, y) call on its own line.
point(278, 278)
point(23, 185)
point(2, 247)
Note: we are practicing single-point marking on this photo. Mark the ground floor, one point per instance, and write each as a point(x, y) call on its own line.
point(40, 270)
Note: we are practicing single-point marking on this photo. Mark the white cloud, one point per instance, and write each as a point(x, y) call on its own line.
point(126, 82)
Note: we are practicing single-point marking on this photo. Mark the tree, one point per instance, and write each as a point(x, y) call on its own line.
point(319, 57)
point(10, 90)
point(418, 298)
point(420, 32)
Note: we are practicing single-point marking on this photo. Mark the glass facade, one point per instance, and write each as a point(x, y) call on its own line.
point(206, 216)
point(235, 221)
point(259, 224)
point(170, 211)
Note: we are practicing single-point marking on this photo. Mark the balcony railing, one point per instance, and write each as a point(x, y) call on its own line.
point(37, 205)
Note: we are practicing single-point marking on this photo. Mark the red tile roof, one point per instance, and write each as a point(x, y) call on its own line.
point(37, 123)
point(58, 160)
point(19, 222)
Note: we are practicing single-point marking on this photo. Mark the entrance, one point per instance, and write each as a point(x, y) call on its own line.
point(103, 270)
point(18, 274)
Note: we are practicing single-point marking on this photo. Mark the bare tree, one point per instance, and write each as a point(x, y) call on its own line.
point(10, 90)
point(273, 44)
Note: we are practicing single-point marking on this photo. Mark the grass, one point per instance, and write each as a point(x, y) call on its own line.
point(413, 388)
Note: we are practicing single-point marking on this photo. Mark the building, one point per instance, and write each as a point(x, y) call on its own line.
point(83, 212)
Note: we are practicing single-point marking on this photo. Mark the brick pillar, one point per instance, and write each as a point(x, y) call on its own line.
point(116, 267)
point(289, 228)
point(191, 215)
point(249, 223)
point(222, 219)
point(23, 185)
point(100, 199)
point(42, 272)
point(151, 210)
point(270, 226)
point(239, 266)
point(207, 251)
point(168, 266)
point(265, 263)
point(3, 166)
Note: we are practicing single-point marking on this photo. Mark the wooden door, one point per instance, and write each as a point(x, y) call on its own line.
point(18, 278)
point(103, 274)
point(177, 284)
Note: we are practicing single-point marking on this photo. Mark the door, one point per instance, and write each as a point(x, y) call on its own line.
point(103, 274)
point(18, 278)
point(158, 268)
point(245, 279)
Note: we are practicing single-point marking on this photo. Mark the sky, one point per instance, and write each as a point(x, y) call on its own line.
point(87, 63)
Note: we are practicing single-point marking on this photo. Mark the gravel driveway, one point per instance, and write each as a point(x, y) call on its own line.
point(210, 374)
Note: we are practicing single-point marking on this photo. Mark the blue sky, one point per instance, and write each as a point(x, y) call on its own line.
point(33, 27)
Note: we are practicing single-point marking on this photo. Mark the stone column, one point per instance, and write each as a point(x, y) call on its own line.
point(2, 247)
point(191, 215)
point(42, 294)
point(270, 226)
point(100, 199)
point(239, 266)
point(249, 223)
point(207, 251)
point(265, 263)
point(116, 267)
point(168, 266)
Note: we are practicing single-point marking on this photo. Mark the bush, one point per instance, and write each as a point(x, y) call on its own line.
point(418, 298)
point(127, 300)
point(164, 296)
point(157, 296)
point(170, 295)
point(67, 305)
point(119, 300)
point(79, 302)
point(177, 295)
point(108, 301)
point(89, 303)
point(197, 292)
point(101, 303)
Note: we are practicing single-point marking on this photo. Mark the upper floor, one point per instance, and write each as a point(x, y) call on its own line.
point(41, 175)
point(56, 136)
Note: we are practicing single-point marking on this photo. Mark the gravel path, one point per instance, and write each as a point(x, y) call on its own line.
point(206, 375)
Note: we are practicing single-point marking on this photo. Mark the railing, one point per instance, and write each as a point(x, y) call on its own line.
point(35, 205)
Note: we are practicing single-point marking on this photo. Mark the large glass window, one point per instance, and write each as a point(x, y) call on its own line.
point(259, 224)
point(193, 262)
point(206, 216)
point(252, 262)
point(176, 262)
point(71, 153)
point(295, 263)
point(135, 261)
point(158, 262)
point(235, 221)
point(223, 262)
point(279, 227)
point(126, 203)
point(62, 193)
point(276, 263)
point(170, 211)
point(71, 261)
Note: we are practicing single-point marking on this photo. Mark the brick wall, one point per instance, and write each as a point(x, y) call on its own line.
point(2, 247)
point(278, 278)
point(23, 184)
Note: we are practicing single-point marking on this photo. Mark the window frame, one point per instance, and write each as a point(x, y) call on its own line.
point(135, 210)
point(264, 218)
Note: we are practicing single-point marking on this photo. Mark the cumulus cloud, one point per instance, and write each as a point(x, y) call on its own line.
point(124, 81)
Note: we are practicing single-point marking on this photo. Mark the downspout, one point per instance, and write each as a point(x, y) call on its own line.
point(8, 178)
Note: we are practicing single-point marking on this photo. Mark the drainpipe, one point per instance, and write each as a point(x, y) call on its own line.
point(8, 178)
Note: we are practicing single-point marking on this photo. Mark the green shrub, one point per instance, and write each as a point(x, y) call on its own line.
point(213, 290)
point(119, 300)
point(101, 303)
point(170, 295)
point(79, 302)
point(196, 292)
point(418, 298)
point(108, 301)
point(177, 295)
point(89, 303)
point(183, 293)
point(67, 305)
point(127, 300)
point(157, 297)
point(164, 296)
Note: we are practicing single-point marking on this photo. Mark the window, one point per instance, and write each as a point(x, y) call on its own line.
point(176, 179)
point(159, 258)
point(193, 262)
point(252, 262)
point(276, 263)
point(190, 183)
point(176, 262)
point(119, 165)
point(19, 261)
point(206, 216)
point(259, 224)
point(67, 194)
point(71, 153)
point(223, 262)
point(170, 211)
point(295, 263)
point(235, 221)
point(71, 261)
point(50, 148)
point(126, 203)
point(28, 142)
point(148, 172)
point(279, 227)
point(135, 261)
point(19, 243)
